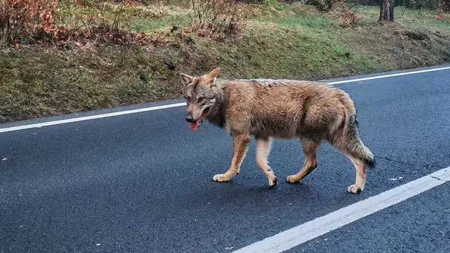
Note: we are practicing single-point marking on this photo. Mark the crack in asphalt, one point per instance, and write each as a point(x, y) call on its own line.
point(428, 166)
point(440, 179)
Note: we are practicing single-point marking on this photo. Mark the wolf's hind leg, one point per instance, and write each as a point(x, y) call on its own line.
point(240, 147)
point(310, 150)
point(360, 166)
point(262, 153)
point(351, 149)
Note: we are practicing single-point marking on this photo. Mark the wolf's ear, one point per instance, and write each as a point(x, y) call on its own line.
point(213, 74)
point(187, 79)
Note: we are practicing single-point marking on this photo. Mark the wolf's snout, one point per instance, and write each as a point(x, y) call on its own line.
point(189, 117)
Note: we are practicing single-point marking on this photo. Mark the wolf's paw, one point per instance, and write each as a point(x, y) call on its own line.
point(354, 189)
point(272, 182)
point(221, 178)
point(291, 179)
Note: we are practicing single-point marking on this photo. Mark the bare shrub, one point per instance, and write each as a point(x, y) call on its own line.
point(26, 19)
point(347, 16)
point(442, 15)
point(216, 18)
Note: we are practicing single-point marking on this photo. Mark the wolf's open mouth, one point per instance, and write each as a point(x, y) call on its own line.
point(196, 124)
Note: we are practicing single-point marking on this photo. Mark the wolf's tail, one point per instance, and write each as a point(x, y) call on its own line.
point(354, 144)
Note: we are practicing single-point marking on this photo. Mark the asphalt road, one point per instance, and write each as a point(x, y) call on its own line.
point(143, 182)
point(421, 224)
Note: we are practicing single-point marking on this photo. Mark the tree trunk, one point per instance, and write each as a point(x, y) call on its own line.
point(386, 11)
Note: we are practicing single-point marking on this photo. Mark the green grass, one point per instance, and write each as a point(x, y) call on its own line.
point(291, 54)
point(410, 18)
point(279, 41)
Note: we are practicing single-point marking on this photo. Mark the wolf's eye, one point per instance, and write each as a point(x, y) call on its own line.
point(200, 99)
point(188, 98)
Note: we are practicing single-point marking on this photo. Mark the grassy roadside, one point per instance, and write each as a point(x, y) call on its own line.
point(291, 41)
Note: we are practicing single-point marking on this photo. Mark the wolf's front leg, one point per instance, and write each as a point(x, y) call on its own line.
point(240, 147)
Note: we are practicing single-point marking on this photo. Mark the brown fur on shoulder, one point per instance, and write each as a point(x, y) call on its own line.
point(286, 109)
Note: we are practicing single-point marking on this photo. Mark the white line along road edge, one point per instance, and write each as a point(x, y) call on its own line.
point(154, 108)
point(390, 75)
point(322, 225)
point(99, 116)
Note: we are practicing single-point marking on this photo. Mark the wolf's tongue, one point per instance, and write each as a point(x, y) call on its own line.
point(195, 125)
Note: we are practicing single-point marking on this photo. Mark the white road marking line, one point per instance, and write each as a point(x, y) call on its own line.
point(322, 225)
point(154, 108)
point(99, 116)
point(387, 76)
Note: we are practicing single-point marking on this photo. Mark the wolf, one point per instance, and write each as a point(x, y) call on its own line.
point(312, 111)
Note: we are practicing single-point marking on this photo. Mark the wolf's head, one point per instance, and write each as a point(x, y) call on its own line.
point(201, 94)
